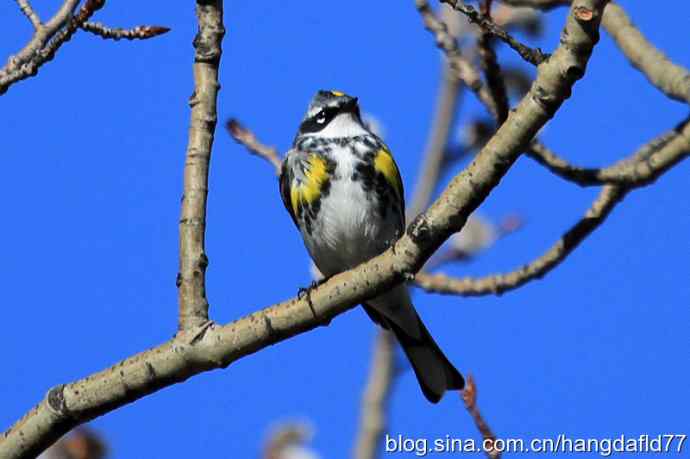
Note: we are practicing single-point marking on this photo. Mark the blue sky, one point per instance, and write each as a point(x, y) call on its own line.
point(93, 151)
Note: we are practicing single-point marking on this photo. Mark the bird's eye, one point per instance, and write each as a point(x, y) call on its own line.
point(321, 117)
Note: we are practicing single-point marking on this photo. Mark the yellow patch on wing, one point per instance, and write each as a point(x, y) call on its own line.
point(309, 190)
point(385, 164)
point(338, 93)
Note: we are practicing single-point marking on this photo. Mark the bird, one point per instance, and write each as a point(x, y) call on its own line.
point(342, 188)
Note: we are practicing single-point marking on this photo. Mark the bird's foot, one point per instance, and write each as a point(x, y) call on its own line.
point(306, 292)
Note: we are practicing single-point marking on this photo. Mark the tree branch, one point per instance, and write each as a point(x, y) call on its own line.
point(373, 417)
point(191, 278)
point(666, 150)
point(29, 12)
point(673, 80)
point(136, 33)
point(463, 68)
point(469, 397)
point(46, 41)
point(210, 346)
point(491, 67)
point(644, 166)
point(501, 283)
point(533, 56)
point(433, 159)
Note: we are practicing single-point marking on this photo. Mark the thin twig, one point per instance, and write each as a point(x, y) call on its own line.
point(191, 278)
point(29, 12)
point(501, 283)
point(136, 33)
point(469, 397)
point(47, 40)
point(666, 150)
point(492, 69)
point(462, 67)
point(433, 161)
point(533, 56)
point(244, 136)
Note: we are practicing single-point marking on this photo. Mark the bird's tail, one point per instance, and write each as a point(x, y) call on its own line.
point(434, 371)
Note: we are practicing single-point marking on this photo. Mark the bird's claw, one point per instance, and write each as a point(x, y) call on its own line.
point(305, 292)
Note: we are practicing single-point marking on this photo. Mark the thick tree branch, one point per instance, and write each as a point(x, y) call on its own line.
point(136, 33)
point(666, 150)
point(533, 56)
point(373, 417)
point(191, 278)
point(640, 169)
point(209, 346)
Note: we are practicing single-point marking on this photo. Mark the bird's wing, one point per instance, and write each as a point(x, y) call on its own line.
point(285, 182)
point(385, 165)
point(303, 177)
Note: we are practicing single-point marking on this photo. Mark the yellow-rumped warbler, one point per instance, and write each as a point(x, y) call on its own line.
point(341, 186)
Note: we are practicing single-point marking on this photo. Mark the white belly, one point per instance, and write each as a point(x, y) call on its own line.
point(349, 229)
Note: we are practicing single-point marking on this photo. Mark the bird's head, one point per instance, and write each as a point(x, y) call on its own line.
point(332, 114)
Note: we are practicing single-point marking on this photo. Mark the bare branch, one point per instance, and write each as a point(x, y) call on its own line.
point(29, 12)
point(209, 346)
point(672, 79)
point(245, 137)
point(373, 423)
point(463, 68)
point(500, 283)
point(666, 150)
point(46, 41)
point(433, 159)
point(136, 33)
point(469, 397)
point(533, 56)
point(191, 278)
point(641, 168)
point(491, 67)
point(41, 37)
